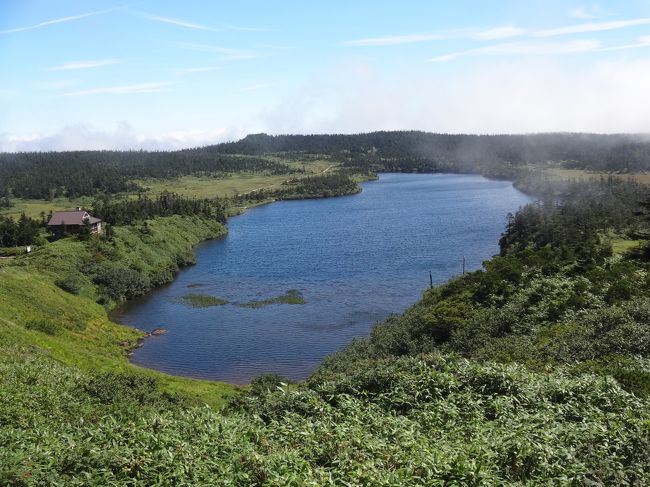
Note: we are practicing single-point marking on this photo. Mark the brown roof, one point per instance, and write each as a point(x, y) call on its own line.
point(78, 217)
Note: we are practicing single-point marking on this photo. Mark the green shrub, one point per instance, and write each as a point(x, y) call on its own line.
point(70, 283)
point(46, 326)
point(121, 388)
point(265, 383)
point(119, 283)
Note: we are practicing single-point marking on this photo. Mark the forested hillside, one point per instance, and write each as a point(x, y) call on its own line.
point(47, 175)
point(428, 152)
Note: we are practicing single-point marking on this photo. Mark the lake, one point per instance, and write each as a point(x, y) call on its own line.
point(355, 260)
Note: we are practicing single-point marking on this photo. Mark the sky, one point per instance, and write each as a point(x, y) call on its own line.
point(155, 74)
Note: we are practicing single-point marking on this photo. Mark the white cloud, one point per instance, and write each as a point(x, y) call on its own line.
point(490, 97)
point(493, 96)
point(589, 12)
point(84, 64)
point(592, 27)
point(180, 23)
point(124, 90)
point(394, 40)
point(524, 48)
point(122, 137)
point(55, 21)
point(500, 33)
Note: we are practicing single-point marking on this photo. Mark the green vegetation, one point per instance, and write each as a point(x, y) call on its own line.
point(35, 207)
point(584, 175)
point(20, 232)
point(533, 370)
point(292, 296)
point(203, 300)
point(430, 420)
point(624, 245)
point(130, 211)
point(207, 186)
point(51, 175)
point(49, 300)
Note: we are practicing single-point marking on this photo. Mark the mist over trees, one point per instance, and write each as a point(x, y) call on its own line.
point(428, 151)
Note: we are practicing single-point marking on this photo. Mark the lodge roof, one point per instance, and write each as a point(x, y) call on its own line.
point(78, 217)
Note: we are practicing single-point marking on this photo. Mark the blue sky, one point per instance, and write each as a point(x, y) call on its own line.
point(163, 74)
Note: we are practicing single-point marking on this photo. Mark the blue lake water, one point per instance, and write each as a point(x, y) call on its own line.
point(355, 259)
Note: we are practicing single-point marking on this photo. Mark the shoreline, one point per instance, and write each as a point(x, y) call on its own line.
point(242, 210)
point(130, 348)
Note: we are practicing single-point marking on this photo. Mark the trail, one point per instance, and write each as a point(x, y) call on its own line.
point(274, 185)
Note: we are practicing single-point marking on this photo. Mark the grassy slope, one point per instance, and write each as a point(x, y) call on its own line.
point(87, 338)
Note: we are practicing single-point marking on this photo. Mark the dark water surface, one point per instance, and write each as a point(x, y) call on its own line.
point(355, 259)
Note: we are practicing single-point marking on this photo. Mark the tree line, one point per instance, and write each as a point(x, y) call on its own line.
point(75, 173)
point(18, 232)
point(415, 150)
point(124, 211)
point(48, 175)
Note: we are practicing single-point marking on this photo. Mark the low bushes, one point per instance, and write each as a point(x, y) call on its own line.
point(44, 325)
point(430, 420)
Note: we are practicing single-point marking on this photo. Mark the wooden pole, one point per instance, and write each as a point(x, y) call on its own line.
point(430, 280)
point(463, 265)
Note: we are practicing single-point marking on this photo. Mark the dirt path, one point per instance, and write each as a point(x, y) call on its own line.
point(274, 185)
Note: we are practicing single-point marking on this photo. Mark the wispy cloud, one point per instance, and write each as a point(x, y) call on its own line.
point(589, 12)
point(275, 47)
point(643, 41)
point(592, 27)
point(255, 87)
point(524, 48)
point(84, 64)
point(55, 21)
point(198, 69)
point(243, 28)
point(500, 33)
point(55, 84)
point(394, 40)
point(124, 90)
point(228, 53)
point(180, 23)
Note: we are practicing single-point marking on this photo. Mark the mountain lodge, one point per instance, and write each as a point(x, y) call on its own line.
point(73, 221)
